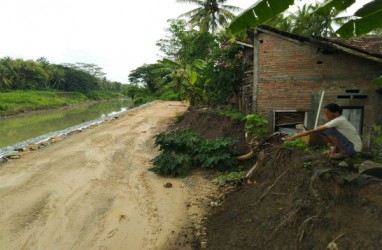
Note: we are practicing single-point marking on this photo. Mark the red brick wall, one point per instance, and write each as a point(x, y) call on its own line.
point(290, 73)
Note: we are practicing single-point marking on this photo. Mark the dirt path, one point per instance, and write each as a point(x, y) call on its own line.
point(92, 190)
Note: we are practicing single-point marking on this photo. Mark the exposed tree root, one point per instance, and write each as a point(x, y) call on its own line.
point(271, 186)
point(246, 156)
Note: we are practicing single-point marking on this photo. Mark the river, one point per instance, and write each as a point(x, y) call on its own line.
point(32, 127)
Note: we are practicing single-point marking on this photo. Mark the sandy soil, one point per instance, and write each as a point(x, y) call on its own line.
point(92, 190)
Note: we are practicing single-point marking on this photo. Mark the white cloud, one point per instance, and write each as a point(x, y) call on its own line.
point(117, 35)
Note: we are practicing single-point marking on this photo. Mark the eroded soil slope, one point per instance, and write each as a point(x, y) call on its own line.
point(286, 206)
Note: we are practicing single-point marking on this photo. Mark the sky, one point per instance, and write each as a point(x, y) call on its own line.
point(117, 35)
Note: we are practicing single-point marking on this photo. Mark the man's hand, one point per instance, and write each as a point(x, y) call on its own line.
point(289, 138)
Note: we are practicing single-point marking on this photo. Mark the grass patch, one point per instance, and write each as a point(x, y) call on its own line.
point(231, 112)
point(301, 144)
point(103, 95)
point(20, 101)
point(232, 178)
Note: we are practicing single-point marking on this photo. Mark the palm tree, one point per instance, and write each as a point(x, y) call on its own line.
point(7, 73)
point(210, 14)
point(307, 22)
point(366, 19)
point(5, 82)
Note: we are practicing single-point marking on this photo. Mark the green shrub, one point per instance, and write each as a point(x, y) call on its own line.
point(301, 144)
point(179, 141)
point(142, 100)
point(3, 107)
point(181, 150)
point(216, 153)
point(138, 101)
point(169, 96)
point(256, 124)
point(232, 112)
point(102, 95)
point(169, 164)
point(377, 139)
point(297, 143)
point(230, 178)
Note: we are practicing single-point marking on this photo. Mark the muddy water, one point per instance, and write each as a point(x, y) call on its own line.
point(17, 129)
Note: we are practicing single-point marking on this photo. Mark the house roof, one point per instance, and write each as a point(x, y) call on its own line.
point(369, 46)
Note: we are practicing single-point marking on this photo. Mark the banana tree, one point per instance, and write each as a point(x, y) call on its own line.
point(191, 76)
point(185, 77)
point(168, 75)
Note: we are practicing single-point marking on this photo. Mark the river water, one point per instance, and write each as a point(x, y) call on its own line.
point(17, 132)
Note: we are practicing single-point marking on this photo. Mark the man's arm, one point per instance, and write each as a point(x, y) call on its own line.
point(305, 133)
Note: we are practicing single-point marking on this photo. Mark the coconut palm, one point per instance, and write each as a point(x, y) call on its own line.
point(308, 22)
point(366, 19)
point(8, 73)
point(5, 82)
point(210, 14)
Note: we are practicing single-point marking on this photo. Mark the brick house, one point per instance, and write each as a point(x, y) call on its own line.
point(289, 78)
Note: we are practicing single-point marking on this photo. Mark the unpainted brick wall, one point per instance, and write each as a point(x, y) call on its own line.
point(291, 73)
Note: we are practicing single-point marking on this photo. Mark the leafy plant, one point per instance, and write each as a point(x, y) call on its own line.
point(184, 149)
point(234, 177)
point(179, 141)
point(377, 139)
point(301, 144)
point(170, 164)
point(257, 124)
point(216, 153)
point(297, 143)
point(308, 165)
point(142, 100)
point(231, 112)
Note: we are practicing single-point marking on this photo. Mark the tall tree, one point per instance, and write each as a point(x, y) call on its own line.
point(184, 45)
point(306, 22)
point(365, 20)
point(210, 14)
point(146, 76)
point(5, 73)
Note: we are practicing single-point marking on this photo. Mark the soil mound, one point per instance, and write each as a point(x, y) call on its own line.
point(291, 205)
point(288, 207)
point(212, 125)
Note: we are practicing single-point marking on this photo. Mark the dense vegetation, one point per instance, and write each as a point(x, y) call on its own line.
point(19, 74)
point(204, 65)
point(183, 150)
point(197, 66)
point(31, 85)
point(19, 101)
point(200, 61)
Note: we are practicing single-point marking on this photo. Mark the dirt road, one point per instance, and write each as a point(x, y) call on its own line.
point(92, 190)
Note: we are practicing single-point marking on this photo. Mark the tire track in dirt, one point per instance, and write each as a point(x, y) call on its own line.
point(92, 190)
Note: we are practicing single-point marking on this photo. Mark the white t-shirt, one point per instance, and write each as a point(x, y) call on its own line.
point(348, 130)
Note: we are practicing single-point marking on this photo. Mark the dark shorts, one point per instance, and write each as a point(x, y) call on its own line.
point(346, 144)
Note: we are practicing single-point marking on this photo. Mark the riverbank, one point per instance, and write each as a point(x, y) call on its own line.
point(35, 127)
point(18, 102)
point(92, 190)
